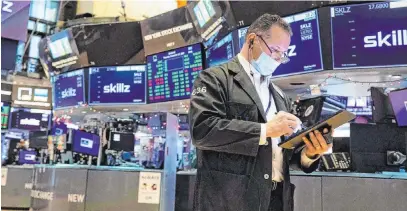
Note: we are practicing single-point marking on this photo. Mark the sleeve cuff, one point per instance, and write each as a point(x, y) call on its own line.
point(306, 161)
point(263, 138)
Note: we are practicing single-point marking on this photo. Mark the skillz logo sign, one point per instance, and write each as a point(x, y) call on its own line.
point(116, 88)
point(395, 38)
point(70, 92)
point(6, 6)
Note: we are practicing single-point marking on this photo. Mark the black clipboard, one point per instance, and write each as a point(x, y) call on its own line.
point(338, 119)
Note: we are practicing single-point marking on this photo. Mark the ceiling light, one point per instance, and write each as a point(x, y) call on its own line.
point(125, 109)
point(83, 112)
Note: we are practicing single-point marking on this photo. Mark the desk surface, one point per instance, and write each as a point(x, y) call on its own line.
point(383, 175)
point(97, 168)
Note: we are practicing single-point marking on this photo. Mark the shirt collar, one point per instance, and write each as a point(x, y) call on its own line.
point(247, 66)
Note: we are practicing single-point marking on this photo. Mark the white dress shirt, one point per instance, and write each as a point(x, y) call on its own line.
point(263, 91)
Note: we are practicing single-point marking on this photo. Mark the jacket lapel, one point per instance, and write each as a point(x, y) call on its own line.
point(278, 97)
point(246, 84)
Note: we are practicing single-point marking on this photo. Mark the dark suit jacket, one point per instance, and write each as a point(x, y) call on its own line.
point(225, 117)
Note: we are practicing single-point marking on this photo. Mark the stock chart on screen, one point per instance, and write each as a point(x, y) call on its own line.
point(171, 74)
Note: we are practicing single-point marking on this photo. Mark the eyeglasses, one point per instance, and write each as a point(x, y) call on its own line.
point(283, 56)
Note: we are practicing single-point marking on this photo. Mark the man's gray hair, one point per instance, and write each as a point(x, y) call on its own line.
point(265, 22)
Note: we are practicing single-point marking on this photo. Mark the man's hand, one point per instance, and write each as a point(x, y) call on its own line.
point(317, 145)
point(282, 124)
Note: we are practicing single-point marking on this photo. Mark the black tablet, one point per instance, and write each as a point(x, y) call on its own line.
point(334, 121)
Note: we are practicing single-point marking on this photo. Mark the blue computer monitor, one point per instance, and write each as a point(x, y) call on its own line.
point(69, 89)
point(369, 35)
point(85, 143)
point(112, 85)
point(221, 52)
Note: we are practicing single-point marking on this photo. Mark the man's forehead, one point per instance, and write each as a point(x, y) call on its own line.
point(277, 36)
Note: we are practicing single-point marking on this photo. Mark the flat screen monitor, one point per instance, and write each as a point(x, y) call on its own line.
point(27, 157)
point(85, 143)
point(60, 53)
point(212, 19)
point(59, 128)
point(117, 85)
point(68, 89)
point(305, 49)
point(38, 139)
point(398, 100)
point(221, 52)
point(360, 106)
point(5, 111)
point(381, 107)
point(122, 141)
point(241, 35)
point(362, 34)
point(171, 74)
point(338, 101)
point(30, 119)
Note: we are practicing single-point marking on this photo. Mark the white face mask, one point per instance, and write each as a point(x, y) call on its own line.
point(265, 65)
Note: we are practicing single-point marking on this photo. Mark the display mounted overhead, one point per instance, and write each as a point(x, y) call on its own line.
point(305, 48)
point(117, 85)
point(369, 35)
point(241, 35)
point(212, 19)
point(59, 52)
point(29, 119)
point(68, 89)
point(168, 31)
point(31, 96)
point(220, 52)
point(14, 19)
point(171, 74)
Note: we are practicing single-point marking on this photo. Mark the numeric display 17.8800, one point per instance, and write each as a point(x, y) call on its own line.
point(369, 35)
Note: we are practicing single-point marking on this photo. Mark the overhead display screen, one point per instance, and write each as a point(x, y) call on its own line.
point(242, 36)
point(30, 119)
point(221, 52)
point(68, 89)
point(213, 20)
point(168, 31)
point(171, 74)
point(369, 35)
point(32, 96)
point(117, 85)
point(305, 49)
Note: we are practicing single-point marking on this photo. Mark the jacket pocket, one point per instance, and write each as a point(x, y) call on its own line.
point(241, 111)
point(221, 191)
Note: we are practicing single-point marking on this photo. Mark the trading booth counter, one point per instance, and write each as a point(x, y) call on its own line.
point(71, 187)
point(16, 186)
point(327, 191)
point(116, 188)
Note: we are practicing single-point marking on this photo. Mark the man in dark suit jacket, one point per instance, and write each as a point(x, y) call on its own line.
point(237, 119)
